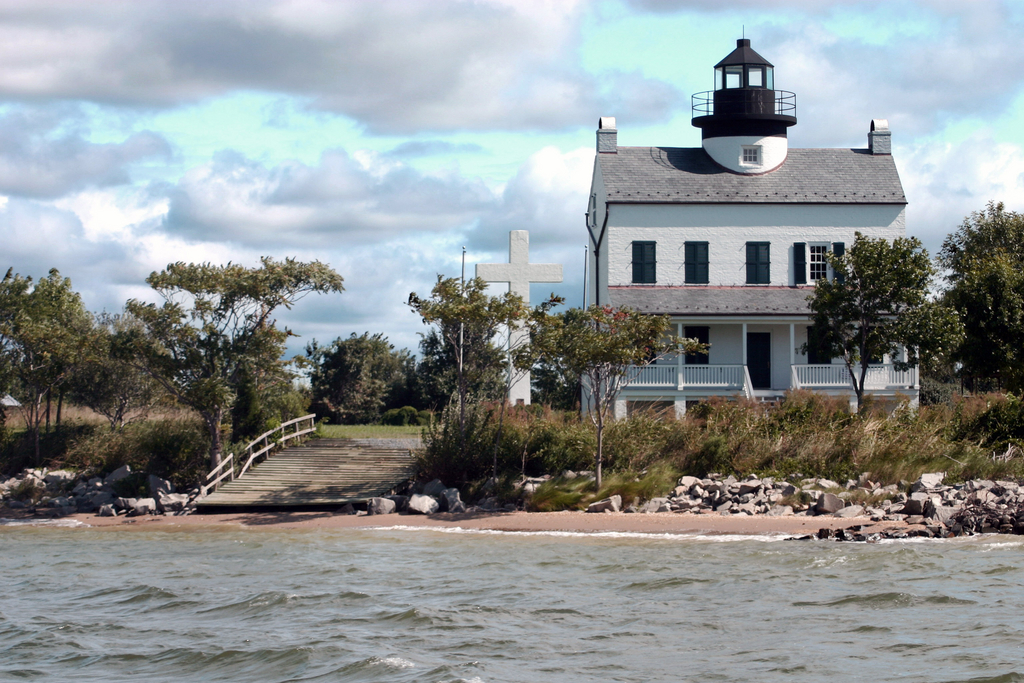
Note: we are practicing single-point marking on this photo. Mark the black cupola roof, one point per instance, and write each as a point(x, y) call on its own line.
point(743, 54)
point(744, 101)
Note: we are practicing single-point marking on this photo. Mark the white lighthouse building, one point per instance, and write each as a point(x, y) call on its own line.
point(729, 238)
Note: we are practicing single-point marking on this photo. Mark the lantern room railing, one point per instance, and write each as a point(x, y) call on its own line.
point(785, 102)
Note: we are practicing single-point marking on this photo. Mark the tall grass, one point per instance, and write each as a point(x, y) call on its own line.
point(806, 434)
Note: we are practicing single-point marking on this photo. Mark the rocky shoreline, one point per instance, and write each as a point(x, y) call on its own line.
point(60, 493)
point(927, 508)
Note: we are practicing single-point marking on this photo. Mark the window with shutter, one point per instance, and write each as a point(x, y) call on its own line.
point(644, 263)
point(695, 266)
point(839, 249)
point(758, 263)
point(800, 263)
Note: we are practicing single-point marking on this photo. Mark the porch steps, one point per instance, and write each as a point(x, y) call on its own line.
point(321, 472)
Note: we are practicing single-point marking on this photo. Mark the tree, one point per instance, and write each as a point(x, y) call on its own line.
point(606, 347)
point(111, 386)
point(467, 319)
point(45, 333)
point(984, 263)
point(358, 378)
point(877, 302)
point(215, 326)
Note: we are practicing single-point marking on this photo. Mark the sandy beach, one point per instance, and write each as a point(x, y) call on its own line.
point(660, 523)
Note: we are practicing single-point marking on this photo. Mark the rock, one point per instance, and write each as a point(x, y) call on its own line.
point(423, 505)
point(942, 513)
point(724, 507)
point(143, 506)
point(345, 509)
point(100, 498)
point(380, 506)
point(16, 505)
point(851, 511)
point(688, 482)
point(827, 484)
point(749, 486)
point(780, 511)
point(158, 486)
point(125, 503)
point(172, 502)
point(931, 480)
point(613, 504)
point(118, 474)
point(790, 490)
point(915, 504)
point(107, 511)
point(829, 503)
point(59, 477)
point(656, 505)
point(401, 502)
point(450, 501)
point(434, 488)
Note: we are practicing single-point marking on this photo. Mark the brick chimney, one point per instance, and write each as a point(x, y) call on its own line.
point(607, 135)
point(880, 137)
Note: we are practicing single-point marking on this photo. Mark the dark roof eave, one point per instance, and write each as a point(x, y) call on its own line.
point(745, 201)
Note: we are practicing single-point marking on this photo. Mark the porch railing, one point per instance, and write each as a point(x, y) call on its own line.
point(654, 376)
point(713, 377)
point(723, 377)
point(884, 376)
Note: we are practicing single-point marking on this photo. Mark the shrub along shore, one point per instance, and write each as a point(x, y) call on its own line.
point(804, 453)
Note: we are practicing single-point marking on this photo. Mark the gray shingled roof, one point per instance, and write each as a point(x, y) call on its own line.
point(713, 300)
point(688, 175)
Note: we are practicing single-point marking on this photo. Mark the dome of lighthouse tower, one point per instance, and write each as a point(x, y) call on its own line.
point(743, 121)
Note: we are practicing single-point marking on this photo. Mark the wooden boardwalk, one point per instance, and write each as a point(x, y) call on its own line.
point(318, 473)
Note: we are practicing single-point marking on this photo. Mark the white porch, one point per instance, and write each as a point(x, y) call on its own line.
point(755, 359)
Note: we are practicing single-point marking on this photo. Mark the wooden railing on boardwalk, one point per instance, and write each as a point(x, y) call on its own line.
point(226, 468)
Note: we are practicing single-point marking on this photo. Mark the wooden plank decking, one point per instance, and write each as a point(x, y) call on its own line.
point(319, 472)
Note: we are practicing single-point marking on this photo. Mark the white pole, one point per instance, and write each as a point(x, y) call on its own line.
point(586, 264)
point(462, 326)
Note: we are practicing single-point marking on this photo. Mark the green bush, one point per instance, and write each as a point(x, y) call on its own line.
point(174, 449)
point(404, 416)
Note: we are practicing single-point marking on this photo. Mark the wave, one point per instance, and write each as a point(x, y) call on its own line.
point(6, 521)
point(681, 536)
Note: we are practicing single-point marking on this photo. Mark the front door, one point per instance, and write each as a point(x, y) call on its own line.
point(759, 359)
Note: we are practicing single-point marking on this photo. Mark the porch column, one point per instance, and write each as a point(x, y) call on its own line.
point(744, 334)
point(792, 351)
point(679, 368)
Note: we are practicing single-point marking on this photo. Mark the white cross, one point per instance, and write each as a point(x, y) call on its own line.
point(519, 273)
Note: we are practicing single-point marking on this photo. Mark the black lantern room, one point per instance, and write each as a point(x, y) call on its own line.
point(744, 101)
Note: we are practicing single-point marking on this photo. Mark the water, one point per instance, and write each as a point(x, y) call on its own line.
point(423, 605)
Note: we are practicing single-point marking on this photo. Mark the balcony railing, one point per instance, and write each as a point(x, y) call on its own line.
point(654, 376)
point(879, 377)
point(721, 377)
point(726, 378)
point(712, 376)
point(703, 103)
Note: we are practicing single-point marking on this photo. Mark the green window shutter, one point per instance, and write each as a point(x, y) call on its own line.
point(644, 262)
point(800, 263)
point(695, 268)
point(839, 249)
point(758, 263)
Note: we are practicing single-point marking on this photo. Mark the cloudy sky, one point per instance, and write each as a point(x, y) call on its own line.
point(383, 136)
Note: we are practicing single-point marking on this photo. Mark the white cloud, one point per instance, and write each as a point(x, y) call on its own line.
point(44, 153)
point(396, 66)
point(945, 182)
